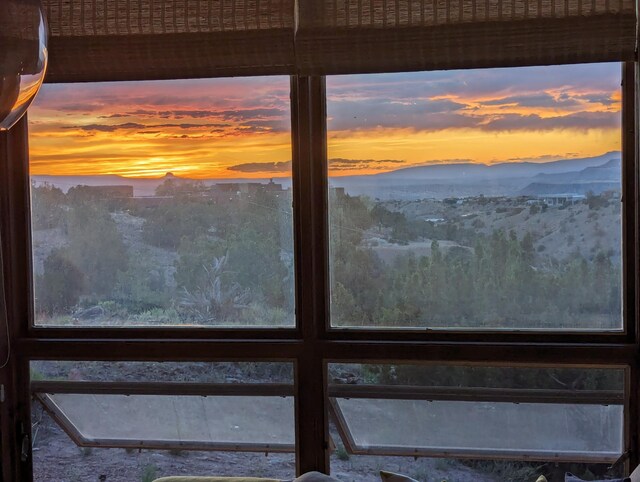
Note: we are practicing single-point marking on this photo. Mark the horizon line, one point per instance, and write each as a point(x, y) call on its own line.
point(287, 174)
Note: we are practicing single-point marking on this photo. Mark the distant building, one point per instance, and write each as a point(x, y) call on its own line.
point(273, 187)
point(563, 199)
point(338, 191)
point(242, 189)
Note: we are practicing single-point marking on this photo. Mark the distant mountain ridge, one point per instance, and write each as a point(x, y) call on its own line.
point(563, 189)
point(609, 171)
point(462, 171)
point(595, 179)
point(430, 181)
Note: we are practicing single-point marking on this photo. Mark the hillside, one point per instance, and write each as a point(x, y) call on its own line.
point(558, 232)
point(461, 172)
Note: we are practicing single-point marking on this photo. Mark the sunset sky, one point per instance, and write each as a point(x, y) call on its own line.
point(224, 128)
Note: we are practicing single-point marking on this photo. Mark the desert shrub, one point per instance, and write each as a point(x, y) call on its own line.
point(59, 288)
point(149, 473)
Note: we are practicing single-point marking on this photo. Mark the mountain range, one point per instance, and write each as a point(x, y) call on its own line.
point(563, 176)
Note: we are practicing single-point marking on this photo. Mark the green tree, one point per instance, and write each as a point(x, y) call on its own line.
point(167, 224)
point(142, 286)
point(59, 288)
point(96, 248)
point(47, 206)
point(194, 255)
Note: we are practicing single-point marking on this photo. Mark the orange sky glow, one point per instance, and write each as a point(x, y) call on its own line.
point(240, 128)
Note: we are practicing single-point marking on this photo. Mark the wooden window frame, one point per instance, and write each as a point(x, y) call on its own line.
point(312, 344)
point(42, 393)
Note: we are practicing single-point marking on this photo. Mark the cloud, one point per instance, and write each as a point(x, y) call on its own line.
point(342, 164)
point(238, 115)
point(338, 161)
point(265, 126)
point(80, 107)
point(106, 127)
point(543, 158)
point(251, 114)
point(468, 99)
point(185, 126)
point(535, 100)
point(142, 128)
point(476, 82)
point(273, 167)
point(580, 120)
point(598, 98)
point(336, 164)
point(417, 116)
point(113, 116)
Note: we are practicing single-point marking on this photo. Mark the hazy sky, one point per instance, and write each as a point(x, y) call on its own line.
point(241, 127)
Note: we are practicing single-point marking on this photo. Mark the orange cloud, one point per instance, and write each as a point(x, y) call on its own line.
point(225, 128)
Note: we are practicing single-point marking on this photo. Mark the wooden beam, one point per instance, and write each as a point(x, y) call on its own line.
point(493, 354)
point(15, 414)
point(478, 394)
point(312, 305)
point(166, 388)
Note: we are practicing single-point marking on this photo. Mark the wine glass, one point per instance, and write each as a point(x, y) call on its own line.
point(23, 57)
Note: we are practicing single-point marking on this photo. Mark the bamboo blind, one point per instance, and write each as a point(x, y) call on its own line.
point(155, 39)
point(140, 39)
point(19, 36)
point(344, 36)
point(19, 21)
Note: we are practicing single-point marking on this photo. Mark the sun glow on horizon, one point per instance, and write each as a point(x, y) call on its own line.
point(240, 128)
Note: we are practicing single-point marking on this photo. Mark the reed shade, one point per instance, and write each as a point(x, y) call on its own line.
point(351, 36)
point(19, 22)
point(92, 40)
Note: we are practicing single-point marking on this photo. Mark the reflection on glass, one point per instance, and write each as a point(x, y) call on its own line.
point(462, 429)
point(560, 379)
point(163, 203)
point(478, 199)
point(477, 423)
point(189, 422)
point(23, 58)
point(169, 372)
point(132, 420)
point(57, 457)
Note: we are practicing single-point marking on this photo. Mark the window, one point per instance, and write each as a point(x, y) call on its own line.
point(302, 317)
point(478, 199)
point(464, 413)
point(162, 418)
point(163, 203)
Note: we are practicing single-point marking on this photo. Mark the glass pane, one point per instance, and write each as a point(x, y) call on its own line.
point(193, 372)
point(536, 420)
point(163, 203)
point(459, 429)
point(476, 199)
point(254, 423)
point(558, 379)
point(195, 418)
point(57, 458)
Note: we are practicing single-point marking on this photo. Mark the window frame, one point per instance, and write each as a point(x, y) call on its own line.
point(313, 343)
point(42, 391)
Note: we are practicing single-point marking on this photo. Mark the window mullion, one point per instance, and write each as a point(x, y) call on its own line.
point(310, 218)
point(630, 200)
point(15, 415)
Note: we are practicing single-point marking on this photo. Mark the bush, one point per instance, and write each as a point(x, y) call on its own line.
point(149, 474)
point(60, 286)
